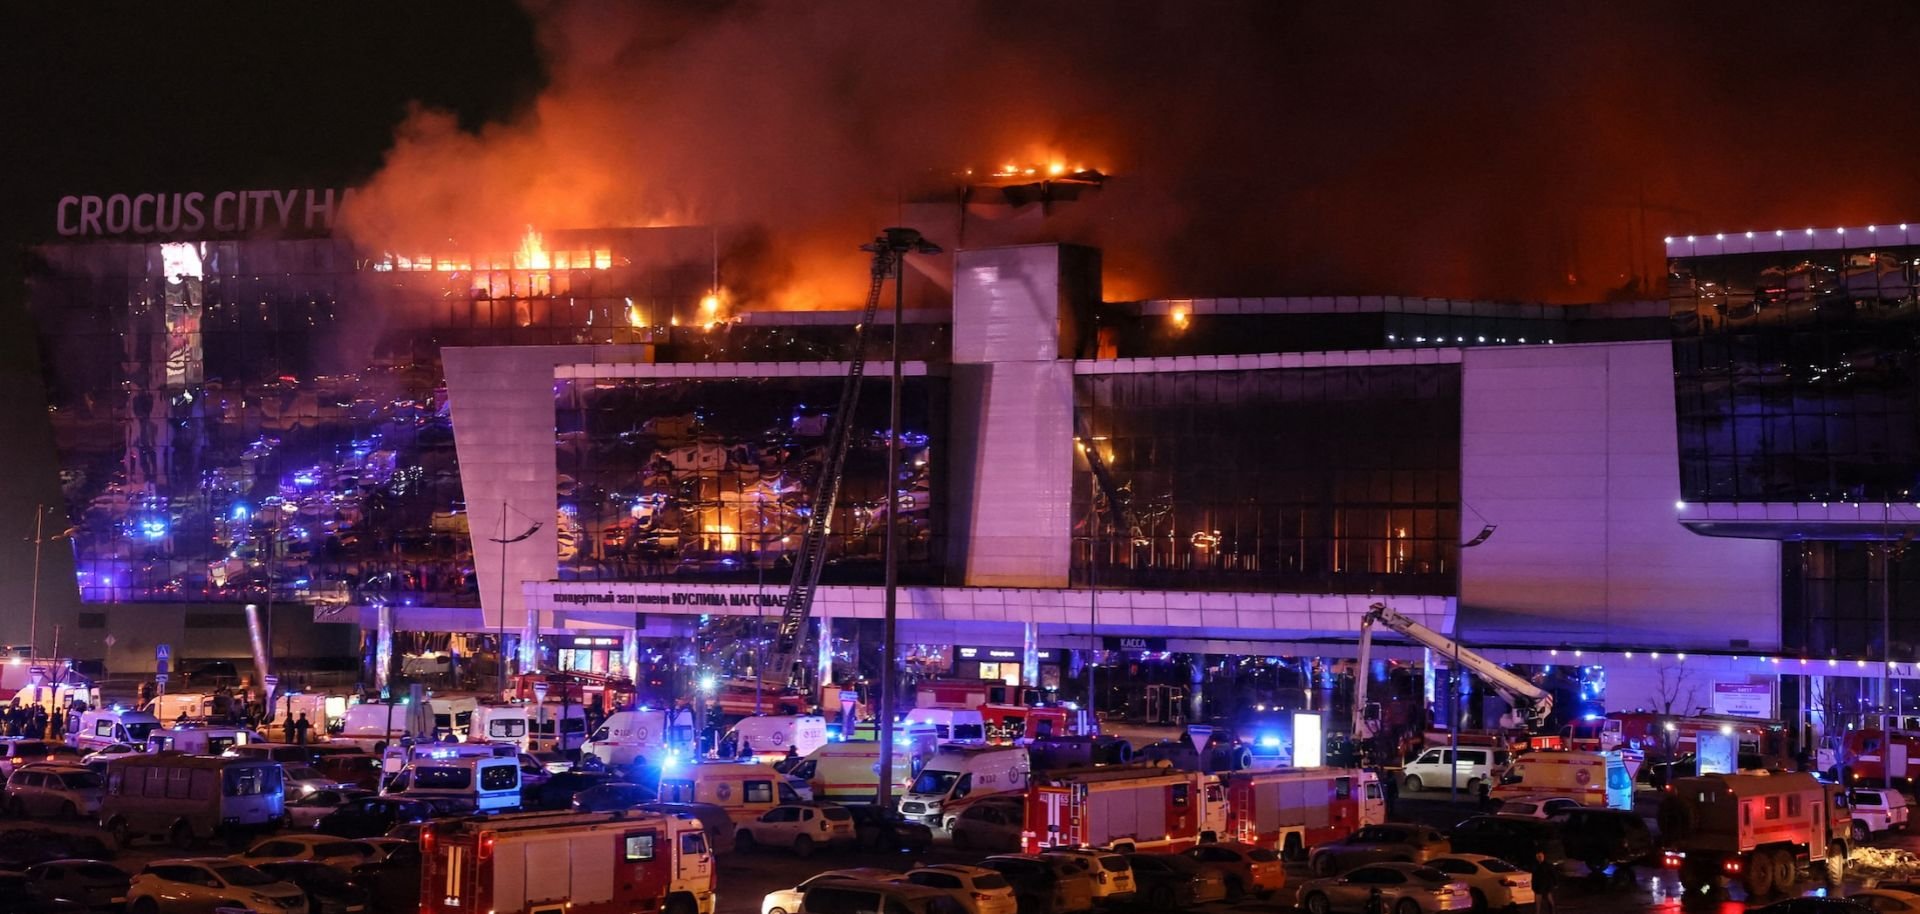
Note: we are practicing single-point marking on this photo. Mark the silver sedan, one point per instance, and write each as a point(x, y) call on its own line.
point(1408, 888)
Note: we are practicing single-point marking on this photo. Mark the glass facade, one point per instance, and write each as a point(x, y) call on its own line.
point(234, 416)
point(1315, 480)
point(1834, 600)
point(1796, 375)
point(713, 479)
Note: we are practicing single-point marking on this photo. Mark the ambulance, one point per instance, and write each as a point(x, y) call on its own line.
point(767, 738)
point(957, 776)
point(743, 789)
point(642, 737)
point(1594, 778)
point(849, 771)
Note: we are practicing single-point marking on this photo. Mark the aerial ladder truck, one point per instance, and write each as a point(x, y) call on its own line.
point(1530, 702)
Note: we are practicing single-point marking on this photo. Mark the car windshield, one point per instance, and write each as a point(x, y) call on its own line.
point(836, 814)
point(243, 876)
point(100, 871)
point(1262, 855)
point(140, 731)
point(1113, 864)
point(1183, 864)
point(990, 881)
point(81, 780)
point(934, 782)
point(303, 773)
point(1429, 874)
point(1499, 866)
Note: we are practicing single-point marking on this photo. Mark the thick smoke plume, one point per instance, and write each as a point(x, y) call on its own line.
point(1259, 148)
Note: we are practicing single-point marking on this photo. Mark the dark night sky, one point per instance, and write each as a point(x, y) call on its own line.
point(1511, 150)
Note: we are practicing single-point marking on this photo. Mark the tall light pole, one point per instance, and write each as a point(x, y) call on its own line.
point(896, 243)
point(40, 538)
point(504, 540)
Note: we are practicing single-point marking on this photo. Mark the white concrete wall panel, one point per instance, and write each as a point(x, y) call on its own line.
point(1571, 451)
point(1006, 304)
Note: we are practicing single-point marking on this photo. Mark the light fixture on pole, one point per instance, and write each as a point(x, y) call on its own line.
point(894, 244)
point(504, 540)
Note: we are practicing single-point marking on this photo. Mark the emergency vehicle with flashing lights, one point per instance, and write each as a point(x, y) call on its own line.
point(1756, 828)
point(1137, 806)
point(1872, 755)
point(1293, 810)
point(622, 862)
point(1592, 777)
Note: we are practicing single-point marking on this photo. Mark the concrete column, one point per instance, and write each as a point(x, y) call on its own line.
point(383, 651)
point(824, 658)
point(528, 660)
point(1030, 655)
point(629, 657)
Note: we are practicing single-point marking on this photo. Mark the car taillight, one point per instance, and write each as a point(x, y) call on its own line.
point(486, 846)
point(1671, 859)
point(1732, 865)
point(426, 841)
point(982, 896)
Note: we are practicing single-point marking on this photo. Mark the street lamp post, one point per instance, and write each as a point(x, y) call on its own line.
point(504, 540)
point(40, 538)
point(899, 242)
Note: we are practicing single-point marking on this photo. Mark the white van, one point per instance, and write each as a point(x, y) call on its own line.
point(849, 771)
point(768, 737)
point(398, 756)
point(453, 715)
point(642, 737)
point(952, 725)
point(482, 784)
point(1591, 778)
point(100, 729)
point(499, 724)
point(1473, 768)
point(199, 740)
point(561, 727)
point(372, 725)
point(957, 776)
point(191, 705)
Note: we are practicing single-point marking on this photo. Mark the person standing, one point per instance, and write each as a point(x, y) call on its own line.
point(1545, 878)
point(300, 728)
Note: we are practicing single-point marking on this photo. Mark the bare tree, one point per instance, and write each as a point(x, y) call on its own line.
point(1674, 685)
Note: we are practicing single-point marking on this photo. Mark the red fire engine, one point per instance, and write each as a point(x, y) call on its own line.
point(1757, 828)
point(549, 863)
point(1650, 733)
point(1292, 810)
point(1145, 806)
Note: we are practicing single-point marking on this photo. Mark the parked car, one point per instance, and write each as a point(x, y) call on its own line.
point(559, 789)
point(1513, 840)
point(385, 847)
point(94, 883)
point(393, 884)
point(201, 885)
point(1112, 874)
point(353, 769)
point(1043, 886)
point(1165, 881)
point(1493, 883)
point(1888, 900)
point(109, 753)
point(24, 847)
point(1877, 809)
point(340, 853)
point(1537, 807)
point(787, 901)
point(50, 789)
point(1407, 888)
point(16, 899)
point(879, 828)
point(1247, 869)
point(613, 795)
point(848, 897)
point(989, 826)
point(17, 752)
point(328, 890)
point(306, 811)
point(978, 889)
point(371, 817)
point(803, 827)
point(302, 779)
point(1373, 843)
point(1603, 838)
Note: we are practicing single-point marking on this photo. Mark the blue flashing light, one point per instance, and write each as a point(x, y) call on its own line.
point(305, 479)
point(1590, 717)
point(240, 512)
point(669, 763)
point(1270, 742)
point(153, 528)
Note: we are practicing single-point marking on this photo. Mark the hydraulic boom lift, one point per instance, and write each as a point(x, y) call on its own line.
point(790, 643)
point(1530, 701)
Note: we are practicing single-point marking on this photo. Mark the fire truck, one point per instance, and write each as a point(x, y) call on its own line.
point(1142, 806)
point(549, 863)
point(1872, 755)
point(1756, 828)
point(1291, 810)
point(1013, 714)
point(1760, 740)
